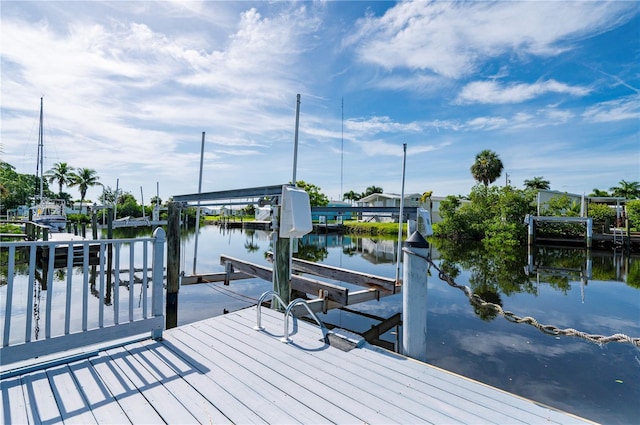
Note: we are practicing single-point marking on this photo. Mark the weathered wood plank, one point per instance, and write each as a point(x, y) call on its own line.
point(364, 386)
point(327, 391)
point(14, 407)
point(185, 364)
point(42, 402)
point(104, 406)
point(334, 293)
point(344, 275)
point(71, 403)
point(170, 409)
point(203, 410)
point(268, 403)
point(212, 277)
point(133, 403)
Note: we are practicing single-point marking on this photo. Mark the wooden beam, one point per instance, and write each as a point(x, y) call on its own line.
point(212, 277)
point(333, 292)
point(344, 275)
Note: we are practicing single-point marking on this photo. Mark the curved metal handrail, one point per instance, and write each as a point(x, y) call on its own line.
point(259, 326)
point(287, 312)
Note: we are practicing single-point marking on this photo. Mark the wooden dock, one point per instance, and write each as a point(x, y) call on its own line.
point(221, 370)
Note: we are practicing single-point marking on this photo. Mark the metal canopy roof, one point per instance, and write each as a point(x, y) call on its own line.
point(212, 198)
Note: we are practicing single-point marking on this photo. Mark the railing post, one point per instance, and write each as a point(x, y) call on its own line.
point(157, 277)
point(414, 297)
point(173, 265)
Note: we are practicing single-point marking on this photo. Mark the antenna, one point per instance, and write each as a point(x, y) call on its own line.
point(342, 150)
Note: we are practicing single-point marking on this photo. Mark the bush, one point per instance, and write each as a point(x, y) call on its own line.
point(633, 214)
point(601, 212)
point(78, 218)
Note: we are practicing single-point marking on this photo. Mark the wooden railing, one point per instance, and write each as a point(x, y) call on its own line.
point(67, 308)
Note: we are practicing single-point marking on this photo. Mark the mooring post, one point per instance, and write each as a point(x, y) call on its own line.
point(414, 297)
point(531, 224)
point(589, 232)
point(281, 270)
point(94, 224)
point(173, 264)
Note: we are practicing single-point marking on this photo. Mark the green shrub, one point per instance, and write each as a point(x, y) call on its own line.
point(633, 214)
point(601, 212)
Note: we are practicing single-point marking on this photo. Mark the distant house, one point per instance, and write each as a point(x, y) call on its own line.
point(411, 200)
point(333, 216)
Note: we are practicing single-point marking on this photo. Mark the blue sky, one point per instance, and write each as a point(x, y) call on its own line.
point(129, 87)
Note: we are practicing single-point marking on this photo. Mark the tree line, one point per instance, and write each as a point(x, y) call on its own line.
point(23, 189)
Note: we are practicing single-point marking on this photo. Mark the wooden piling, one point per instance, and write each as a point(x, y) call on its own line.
point(94, 224)
point(173, 264)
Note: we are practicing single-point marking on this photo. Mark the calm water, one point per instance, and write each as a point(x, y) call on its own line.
point(601, 383)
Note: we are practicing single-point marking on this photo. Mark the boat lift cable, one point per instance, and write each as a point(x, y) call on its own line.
point(477, 301)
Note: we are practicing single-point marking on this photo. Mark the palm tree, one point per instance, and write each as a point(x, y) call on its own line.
point(487, 167)
point(371, 190)
point(599, 193)
point(351, 196)
point(84, 178)
point(537, 183)
point(625, 189)
point(61, 173)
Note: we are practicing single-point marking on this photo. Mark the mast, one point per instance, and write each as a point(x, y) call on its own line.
point(40, 160)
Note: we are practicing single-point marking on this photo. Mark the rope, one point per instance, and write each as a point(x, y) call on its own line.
point(511, 317)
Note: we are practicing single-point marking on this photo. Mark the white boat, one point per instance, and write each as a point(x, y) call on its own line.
point(46, 212)
point(50, 214)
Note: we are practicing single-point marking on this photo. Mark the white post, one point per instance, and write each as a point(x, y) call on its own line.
point(404, 161)
point(158, 276)
point(115, 201)
point(141, 200)
point(195, 247)
point(414, 298)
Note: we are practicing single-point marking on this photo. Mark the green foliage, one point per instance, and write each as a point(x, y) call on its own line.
point(561, 206)
point(79, 218)
point(494, 214)
point(487, 167)
point(601, 212)
point(18, 189)
point(316, 197)
point(375, 229)
point(633, 214)
point(84, 178)
point(625, 189)
point(10, 228)
point(537, 183)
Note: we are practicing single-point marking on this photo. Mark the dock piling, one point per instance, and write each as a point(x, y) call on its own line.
point(414, 297)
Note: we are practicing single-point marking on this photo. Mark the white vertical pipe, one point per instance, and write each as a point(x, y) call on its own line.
point(195, 247)
point(404, 161)
point(295, 140)
point(142, 200)
point(414, 299)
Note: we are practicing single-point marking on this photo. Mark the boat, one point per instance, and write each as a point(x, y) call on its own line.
point(48, 213)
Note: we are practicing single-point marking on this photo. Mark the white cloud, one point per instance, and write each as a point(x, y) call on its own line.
point(493, 92)
point(614, 110)
point(454, 39)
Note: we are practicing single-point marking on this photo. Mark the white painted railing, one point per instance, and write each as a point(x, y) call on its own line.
point(22, 303)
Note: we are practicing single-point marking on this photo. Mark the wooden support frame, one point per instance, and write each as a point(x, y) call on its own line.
point(337, 273)
point(335, 293)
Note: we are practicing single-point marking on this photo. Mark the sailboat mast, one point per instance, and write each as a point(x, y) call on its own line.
point(39, 166)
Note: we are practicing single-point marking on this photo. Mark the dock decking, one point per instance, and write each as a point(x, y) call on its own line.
point(221, 370)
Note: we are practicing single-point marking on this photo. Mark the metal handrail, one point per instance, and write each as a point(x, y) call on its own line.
point(258, 325)
point(292, 304)
point(288, 310)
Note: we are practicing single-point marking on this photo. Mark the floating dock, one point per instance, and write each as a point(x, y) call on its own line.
point(222, 370)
